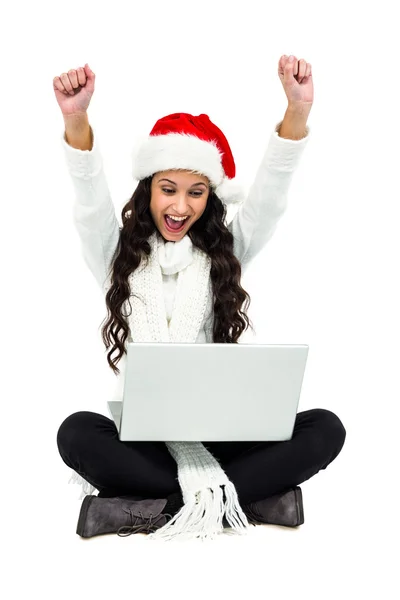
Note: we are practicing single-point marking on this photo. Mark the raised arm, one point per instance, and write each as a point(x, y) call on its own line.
point(257, 218)
point(94, 212)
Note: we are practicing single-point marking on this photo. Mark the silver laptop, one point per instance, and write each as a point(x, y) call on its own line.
point(210, 392)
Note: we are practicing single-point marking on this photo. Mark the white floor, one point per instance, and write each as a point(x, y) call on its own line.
point(341, 551)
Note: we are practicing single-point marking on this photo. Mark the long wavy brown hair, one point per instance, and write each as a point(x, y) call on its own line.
point(210, 234)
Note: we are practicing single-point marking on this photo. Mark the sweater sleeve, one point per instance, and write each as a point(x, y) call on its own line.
point(94, 212)
point(257, 218)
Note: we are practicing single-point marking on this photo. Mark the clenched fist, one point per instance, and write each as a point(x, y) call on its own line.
point(297, 80)
point(74, 90)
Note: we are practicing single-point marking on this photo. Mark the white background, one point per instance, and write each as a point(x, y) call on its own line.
point(327, 278)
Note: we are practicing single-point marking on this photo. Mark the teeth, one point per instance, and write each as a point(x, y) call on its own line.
point(177, 218)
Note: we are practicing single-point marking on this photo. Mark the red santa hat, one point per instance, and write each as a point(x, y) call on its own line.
point(184, 141)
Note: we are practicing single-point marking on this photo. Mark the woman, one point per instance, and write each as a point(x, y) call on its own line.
point(172, 273)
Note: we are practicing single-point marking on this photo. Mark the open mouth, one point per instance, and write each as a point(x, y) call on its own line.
point(174, 226)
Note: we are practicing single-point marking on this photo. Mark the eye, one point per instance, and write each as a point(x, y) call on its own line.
point(196, 193)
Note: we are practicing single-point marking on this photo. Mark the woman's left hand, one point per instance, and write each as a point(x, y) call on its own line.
point(297, 81)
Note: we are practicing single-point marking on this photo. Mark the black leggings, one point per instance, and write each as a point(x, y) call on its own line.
point(88, 443)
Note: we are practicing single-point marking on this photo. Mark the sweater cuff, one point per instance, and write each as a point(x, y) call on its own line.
point(84, 164)
point(284, 154)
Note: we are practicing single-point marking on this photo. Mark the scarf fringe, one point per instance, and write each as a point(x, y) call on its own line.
point(202, 516)
point(87, 489)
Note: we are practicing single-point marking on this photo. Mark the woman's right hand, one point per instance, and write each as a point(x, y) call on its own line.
point(74, 90)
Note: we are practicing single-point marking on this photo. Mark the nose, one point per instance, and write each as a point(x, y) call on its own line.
point(181, 205)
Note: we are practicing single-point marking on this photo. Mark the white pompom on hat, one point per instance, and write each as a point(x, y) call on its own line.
point(184, 141)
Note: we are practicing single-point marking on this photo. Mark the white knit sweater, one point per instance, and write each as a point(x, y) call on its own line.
point(252, 226)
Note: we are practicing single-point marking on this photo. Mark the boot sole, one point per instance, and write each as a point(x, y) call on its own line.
point(80, 528)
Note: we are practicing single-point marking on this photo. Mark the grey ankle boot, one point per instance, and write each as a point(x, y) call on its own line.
point(285, 509)
point(122, 515)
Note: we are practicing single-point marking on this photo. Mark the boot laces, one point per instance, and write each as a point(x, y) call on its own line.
point(136, 527)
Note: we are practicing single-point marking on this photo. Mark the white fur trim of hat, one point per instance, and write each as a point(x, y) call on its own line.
point(155, 153)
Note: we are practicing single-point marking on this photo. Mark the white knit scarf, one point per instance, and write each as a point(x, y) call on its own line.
point(201, 478)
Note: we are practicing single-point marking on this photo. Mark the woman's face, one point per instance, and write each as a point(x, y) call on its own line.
point(177, 193)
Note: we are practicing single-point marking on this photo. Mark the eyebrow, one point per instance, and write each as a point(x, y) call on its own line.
point(165, 179)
